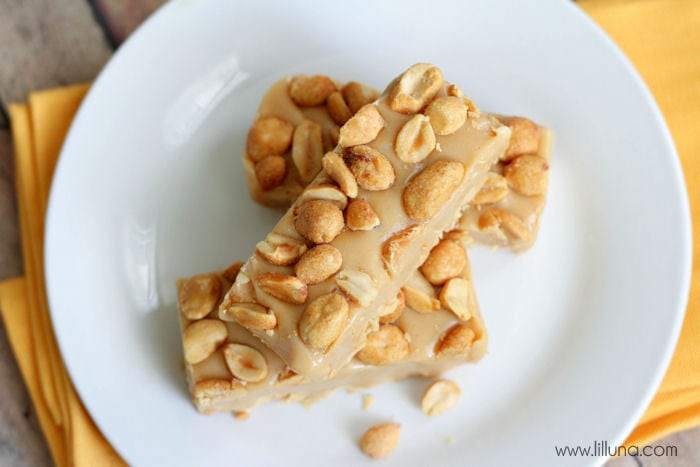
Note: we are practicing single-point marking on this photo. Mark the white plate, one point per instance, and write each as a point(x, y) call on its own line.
point(150, 188)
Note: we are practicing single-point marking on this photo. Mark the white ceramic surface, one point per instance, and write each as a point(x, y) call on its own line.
point(150, 188)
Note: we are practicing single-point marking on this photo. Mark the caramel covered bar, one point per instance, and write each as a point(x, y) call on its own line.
point(404, 168)
point(425, 331)
point(506, 212)
point(296, 124)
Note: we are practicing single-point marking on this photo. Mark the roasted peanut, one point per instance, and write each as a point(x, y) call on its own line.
point(199, 295)
point(357, 95)
point(269, 136)
point(307, 149)
point(336, 169)
point(319, 221)
point(380, 440)
point(318, 264)
point(494, 189)
point(419, 301)
point(270, 172)
point(360, 215)
point(371, 168)
point(362, 128)
point(337, 108)
point(249, 315)
point(446, 260)
point(323, 320)
point(245, 362)
point(454, 296)
point(280, 249)
point(440, 397)
point(289, 289)
point(447, 114)
point(457, 340)
point(393, 310)
point(504, 221)
point(415, 88)
point(393, 247)
point(202, 338)
point(426, 193)
point(524, 139)
point(527, 175)
point(327, 192)
point(357, 285)
point(309, 91)
point(386, 345)
point(416, 139)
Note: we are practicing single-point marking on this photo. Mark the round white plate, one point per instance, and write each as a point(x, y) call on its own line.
point(150, 188)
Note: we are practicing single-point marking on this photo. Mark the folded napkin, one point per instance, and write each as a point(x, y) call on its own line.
point(38, 130)
point(662, 41)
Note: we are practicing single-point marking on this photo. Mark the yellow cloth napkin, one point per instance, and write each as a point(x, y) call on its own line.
point(38, 130)
point(661, 37)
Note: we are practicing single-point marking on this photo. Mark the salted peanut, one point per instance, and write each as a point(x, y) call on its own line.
point(362, 128)
point(245, 362)
point(202, 338)
point(380, 440)
point(242, 290)
point(415, 88)
point(393, 247)
point(527, 175)
point(428, 191)
point(388, 344)
point(371, 168)
point(208, 390)
point(357, 95)
point(318, 264)
point(319, 221)
point(232, 271)
point(415, 140)
point(337, 108)
point(446, 260)
point(494, 189)
point(454, 90)
point(287, 288)
point(509, 223)
point(336, 169)
point(357, 285)
point(323, 320)
point(524, 139)
point(327, 192)
point(289, 376)
point(280, 249)
point(309, 91)
point(360, 215)
point(454, 296)
point(199, 295)
point(392, 310)
point(241, 415)
point(440, 397)
point(447, 114)
point(307, 149)
point(456, 341)
point(270, 172)
point(269, 136)
point(420, 301)
point(249, 315)
point(333, 135)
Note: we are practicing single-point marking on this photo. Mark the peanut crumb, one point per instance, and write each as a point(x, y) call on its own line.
point(367, 401)
point(241, 415)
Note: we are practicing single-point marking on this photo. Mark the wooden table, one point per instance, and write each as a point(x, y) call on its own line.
point(47, 43)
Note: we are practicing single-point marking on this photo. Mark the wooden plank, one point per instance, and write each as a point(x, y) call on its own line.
point(47, 43)
point(10, 251)
point(121, 17)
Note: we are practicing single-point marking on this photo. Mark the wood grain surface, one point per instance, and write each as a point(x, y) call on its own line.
point(48, 43)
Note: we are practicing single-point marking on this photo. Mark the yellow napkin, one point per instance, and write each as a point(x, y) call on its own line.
point(661, 37)
point(38, 130)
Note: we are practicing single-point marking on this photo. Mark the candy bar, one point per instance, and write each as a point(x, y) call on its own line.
point(403, 184)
